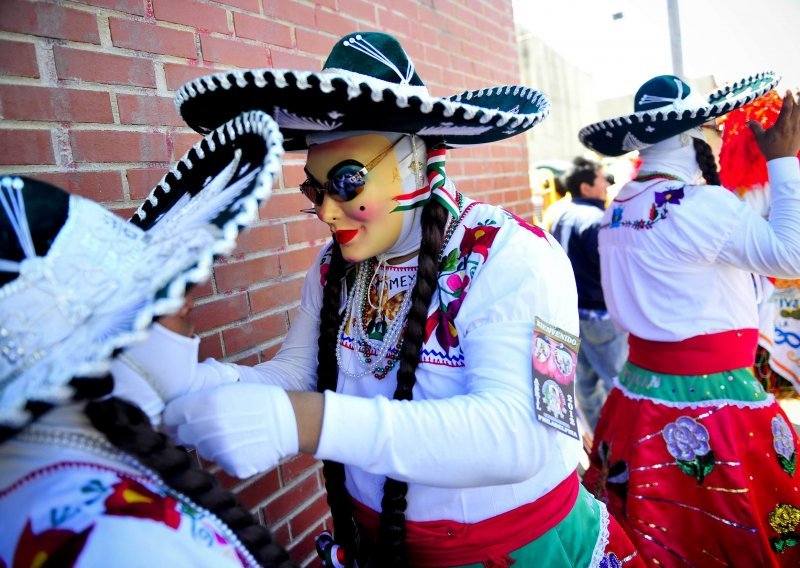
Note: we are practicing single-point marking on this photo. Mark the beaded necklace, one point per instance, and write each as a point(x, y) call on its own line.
point(98, 445)
point(386, 350)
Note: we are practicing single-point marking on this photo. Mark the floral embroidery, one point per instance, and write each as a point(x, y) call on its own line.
point(784, 520)
point(658, 210)
point(688, 442)
point(456, 272)
point(783, 443)
point(610, 560)
point(132, 499)
point(527, 226)
point(51, 547)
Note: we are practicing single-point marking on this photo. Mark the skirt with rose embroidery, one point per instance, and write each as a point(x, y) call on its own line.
point(700, 470)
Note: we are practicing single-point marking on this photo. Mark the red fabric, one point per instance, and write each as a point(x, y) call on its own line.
point(676, 520)
point(448, 543)
point(699, 355)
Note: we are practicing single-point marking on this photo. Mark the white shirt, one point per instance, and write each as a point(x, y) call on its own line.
point(690, 272)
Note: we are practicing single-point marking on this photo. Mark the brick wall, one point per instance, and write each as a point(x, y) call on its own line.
point(86, 91)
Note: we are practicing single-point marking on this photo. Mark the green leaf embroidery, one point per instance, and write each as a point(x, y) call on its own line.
point(790, 465)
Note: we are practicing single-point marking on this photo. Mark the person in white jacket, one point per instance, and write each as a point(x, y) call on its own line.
point(409, 364)
point(693, 457)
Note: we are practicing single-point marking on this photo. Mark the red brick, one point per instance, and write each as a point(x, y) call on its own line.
point(203, 17)
point(307, 230)
point(202, 290)
point(177, 74)
point(315, 42)
point(262, 29)
point(284, 205)
point(210, 346)
point(304, 549)
point(256, 239)
point(297, 466)
point(269, 352)
point(398, 23)
point(100, 186)
point(286, 60)
point(25, 147)
point(136, 7)
point(284, 503)
point(332, 5)
point(103, 67)
point(152, 111)
point(142, 181)
point(21, 102)
point(18, 58)
point(332, 22)
point(309, 516)
point(281, 534)
point(232, 52)
point(248, 361)
point(293, 174)
point(362, 10)
point(250, 5)
point(219, 312)
point(48, 20)
point(252, 333)
point(244, 274)
point(152, 38)
point(119, 146)
point(280, 294)
point(291, 11)
point(298, 260)
point(181, 142)
point(260, 490)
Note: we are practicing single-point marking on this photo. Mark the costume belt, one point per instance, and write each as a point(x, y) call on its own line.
point(698, 355)
point(450, 543)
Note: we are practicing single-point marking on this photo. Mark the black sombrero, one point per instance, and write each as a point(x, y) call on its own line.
point(664, 107)
point(367, 83)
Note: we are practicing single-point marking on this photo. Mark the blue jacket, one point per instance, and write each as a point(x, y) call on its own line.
point(576, 229)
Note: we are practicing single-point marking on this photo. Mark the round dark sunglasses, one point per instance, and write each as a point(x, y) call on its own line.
point(345, 179)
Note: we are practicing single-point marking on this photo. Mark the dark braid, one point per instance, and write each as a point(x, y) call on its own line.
point(392, 536)
point(327, 378)
point(129, 429)
point(706, 162)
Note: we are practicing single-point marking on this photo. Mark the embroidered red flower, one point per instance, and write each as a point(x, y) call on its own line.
point(51, 547)
point(132, 499)
point(478, 240)
point(528, 227)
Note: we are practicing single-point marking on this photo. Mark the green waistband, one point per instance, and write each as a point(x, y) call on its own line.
point(739, 385)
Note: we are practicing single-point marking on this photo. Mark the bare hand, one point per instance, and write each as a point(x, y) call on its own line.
point(783, 138)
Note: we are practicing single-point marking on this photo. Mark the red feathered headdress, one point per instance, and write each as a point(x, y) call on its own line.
point(742, 166)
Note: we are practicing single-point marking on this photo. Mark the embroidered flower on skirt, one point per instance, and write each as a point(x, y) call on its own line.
point(688, 442)
point(610, 560)
point(783, 443)
point(784, 520)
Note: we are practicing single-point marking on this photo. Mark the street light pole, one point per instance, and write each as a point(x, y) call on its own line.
point(675, 38)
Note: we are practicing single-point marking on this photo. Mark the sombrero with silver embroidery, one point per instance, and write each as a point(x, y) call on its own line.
point(367, 83)
point(81, 282)
point(665, 106)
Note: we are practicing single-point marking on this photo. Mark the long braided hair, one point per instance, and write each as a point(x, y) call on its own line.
point(123, 424)
point(391, 544)
point(706, 162)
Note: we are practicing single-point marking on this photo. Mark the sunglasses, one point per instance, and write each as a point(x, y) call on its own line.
point(346, 179)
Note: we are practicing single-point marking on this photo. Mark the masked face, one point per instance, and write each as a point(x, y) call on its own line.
point(361, 218)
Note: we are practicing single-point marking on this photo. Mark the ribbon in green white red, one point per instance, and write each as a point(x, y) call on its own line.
point(437, 181)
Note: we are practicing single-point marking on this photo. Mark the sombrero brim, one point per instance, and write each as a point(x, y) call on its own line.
point(133, 272)
point(306, 102)
point(620, 135)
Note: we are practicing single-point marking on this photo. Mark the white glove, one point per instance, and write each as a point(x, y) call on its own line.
point(245, 428)
point(168, 362)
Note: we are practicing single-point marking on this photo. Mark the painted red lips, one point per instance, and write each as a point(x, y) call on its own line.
point(344, 236)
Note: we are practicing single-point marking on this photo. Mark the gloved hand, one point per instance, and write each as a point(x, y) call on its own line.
point(245, 428)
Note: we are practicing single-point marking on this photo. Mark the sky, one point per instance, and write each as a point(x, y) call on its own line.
point(728, 39)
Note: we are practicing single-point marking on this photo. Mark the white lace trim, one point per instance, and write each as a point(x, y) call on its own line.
point(602, 538)
point(95, 290)
point(717, 402)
